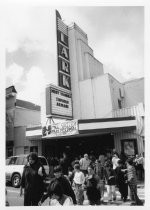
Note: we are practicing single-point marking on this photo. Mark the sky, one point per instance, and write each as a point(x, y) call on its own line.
point(115, 33)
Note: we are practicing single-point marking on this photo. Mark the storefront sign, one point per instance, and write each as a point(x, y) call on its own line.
point(58, 102)
point(63, 53)
point(61, 129)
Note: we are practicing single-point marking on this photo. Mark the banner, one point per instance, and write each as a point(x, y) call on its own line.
point(67, 128)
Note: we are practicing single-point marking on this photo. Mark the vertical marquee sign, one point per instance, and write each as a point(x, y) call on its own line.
point(64, 80)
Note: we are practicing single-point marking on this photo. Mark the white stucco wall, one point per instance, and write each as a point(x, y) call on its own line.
point(83, 66)
point(93, 67)
point(134, 92)
point(86, 98)
point(102, 96)
point(95, 98)
point(24, 117)
point(74, 74)
point(115, 85)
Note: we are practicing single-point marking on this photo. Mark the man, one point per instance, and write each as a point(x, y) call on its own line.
point(84, 164)
point(132, 181)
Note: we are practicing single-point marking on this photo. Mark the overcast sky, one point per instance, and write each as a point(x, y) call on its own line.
point(116, 35)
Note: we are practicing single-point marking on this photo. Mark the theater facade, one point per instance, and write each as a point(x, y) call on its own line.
point(96, 112)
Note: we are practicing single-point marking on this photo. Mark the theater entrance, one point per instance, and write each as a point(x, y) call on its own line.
point(77, 145)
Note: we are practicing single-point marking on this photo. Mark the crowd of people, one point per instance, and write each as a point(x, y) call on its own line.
point(71, 181)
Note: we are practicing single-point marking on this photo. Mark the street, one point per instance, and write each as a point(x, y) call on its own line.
point(14, 198)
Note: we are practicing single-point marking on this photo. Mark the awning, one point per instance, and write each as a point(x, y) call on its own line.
point(89, 127)
point(34, 132)
point(107, 124)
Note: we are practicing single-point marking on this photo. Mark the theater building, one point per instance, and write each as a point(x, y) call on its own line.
point(103, 113)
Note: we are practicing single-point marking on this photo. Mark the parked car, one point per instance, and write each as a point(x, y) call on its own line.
point(15, 165)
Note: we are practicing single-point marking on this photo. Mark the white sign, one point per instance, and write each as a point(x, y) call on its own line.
point(59, 102)
point(62, 129)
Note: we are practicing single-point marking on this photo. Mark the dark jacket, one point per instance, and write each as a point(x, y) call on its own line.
point(93, 190)
point(110, 175)
point(32, 183)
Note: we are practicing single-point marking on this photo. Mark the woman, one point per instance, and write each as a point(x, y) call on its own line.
point(32, 181)
point(55, 193)
point(93, 187)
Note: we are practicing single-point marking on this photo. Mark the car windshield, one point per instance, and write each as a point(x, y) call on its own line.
point(12, 161)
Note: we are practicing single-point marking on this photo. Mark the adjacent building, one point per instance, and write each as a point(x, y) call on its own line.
point(19, 115)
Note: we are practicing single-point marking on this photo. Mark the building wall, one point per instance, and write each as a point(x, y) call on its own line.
point(93, 67)
point(95, 102)
point(134, 92)
point(116, 87)
point(24, 117)
point(102, 97)
point(17, 118)
point(83, 66)
point(86, 98)
point(118, 137)
point(74, 74)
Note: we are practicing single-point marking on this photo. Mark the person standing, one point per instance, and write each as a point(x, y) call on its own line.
point(78, 184)
point(121, 181)
point(84, 163)
point(93, 187)
point(110, 181)
point(115, 159)
point(132, 181)
point(99, 170)
point(32, 181)
point(65, 163)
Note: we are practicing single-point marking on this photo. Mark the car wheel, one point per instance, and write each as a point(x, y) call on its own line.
point(16, 179)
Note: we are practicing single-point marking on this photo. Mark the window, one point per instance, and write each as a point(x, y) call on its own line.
point(129, 147)
point(19, 161)
point(25, 161)
point(13, 161)
point(119, 104)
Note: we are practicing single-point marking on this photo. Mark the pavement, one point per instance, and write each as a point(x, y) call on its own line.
point(14, 198)
point(119, 202)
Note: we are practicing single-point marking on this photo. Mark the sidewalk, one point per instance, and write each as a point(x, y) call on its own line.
point(119, 202)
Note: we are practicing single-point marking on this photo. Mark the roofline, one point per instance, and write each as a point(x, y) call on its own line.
point(132, 80)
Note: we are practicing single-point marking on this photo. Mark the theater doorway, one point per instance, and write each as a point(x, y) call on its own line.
point(78, 145)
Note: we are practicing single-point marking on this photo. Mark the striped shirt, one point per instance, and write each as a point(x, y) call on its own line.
point(131, 174)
